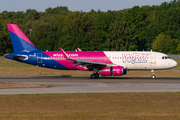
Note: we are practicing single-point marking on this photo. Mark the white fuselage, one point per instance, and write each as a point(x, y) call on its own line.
point(141, 60)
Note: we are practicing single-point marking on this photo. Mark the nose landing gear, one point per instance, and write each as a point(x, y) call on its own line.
point(153, 74)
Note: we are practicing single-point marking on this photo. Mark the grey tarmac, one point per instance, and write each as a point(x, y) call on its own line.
point(68, 84)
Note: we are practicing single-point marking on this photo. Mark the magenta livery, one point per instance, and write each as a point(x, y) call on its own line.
point(106, 63)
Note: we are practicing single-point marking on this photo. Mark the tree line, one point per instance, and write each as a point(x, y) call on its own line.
point(135, 29)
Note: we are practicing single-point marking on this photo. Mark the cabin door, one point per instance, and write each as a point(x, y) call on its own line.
point(153, 58)
point(39, 58)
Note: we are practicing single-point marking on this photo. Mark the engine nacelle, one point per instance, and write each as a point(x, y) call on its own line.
point(113, 70)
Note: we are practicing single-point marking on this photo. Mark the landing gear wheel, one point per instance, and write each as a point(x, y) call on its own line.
point(93, 76)
point(153, 76)
point(97, 75)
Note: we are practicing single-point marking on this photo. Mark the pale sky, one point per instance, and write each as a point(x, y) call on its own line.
point(74, 5)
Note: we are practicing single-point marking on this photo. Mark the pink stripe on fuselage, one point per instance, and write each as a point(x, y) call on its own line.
point(84, 55)
point(16, 30)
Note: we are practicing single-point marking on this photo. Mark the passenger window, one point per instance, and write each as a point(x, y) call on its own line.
point(163, 57)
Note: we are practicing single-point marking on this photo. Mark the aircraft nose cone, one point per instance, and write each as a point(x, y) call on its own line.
point(174, 64)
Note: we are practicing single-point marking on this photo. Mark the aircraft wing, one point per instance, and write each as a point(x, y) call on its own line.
point(87, 63)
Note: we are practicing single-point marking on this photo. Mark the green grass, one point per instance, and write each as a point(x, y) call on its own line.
point(91, 106)
point(21, 85)
point(4, 62)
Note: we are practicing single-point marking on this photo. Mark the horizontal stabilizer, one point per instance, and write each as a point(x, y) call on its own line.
point(22, 57)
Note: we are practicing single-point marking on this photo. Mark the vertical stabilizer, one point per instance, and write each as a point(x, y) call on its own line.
point(20, 41)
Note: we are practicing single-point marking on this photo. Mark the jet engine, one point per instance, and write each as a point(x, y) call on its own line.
point(113, 70)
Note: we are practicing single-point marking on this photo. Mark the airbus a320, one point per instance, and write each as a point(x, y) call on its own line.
point(107, 63)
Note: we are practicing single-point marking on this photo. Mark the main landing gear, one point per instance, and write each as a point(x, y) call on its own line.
point(94, 76)
point(153, 74)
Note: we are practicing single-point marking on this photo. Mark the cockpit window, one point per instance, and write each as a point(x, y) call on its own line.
point(166, 57)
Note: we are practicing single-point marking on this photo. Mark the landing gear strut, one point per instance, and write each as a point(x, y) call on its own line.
point(153, 74)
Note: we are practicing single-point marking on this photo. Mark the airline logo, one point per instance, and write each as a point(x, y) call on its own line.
point(61, 55)
point(135, 58)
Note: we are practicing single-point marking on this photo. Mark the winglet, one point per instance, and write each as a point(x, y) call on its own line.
point(79, 49)
point(64, 53)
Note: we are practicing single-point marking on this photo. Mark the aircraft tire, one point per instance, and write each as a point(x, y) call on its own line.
point(93, 76)
point(153, 76)
point(97, 75)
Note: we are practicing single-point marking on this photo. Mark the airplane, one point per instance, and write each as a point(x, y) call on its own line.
point(106, 63)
